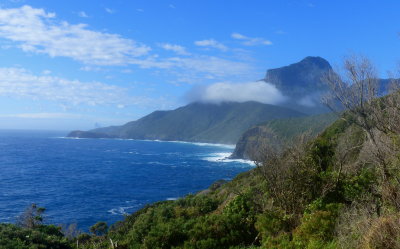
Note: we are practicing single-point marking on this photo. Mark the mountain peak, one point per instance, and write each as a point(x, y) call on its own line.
point(315, 60)
point(300, 78)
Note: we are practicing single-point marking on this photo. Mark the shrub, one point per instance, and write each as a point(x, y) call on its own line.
point(100, 228)
point(384, 232)
point(43, 236)
point(317, 225)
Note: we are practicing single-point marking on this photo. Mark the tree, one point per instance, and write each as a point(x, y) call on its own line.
point(353, 91)
point(31, 217)
point(99, 229)
point(289, 176)
point(358, 92)
point(71, 231)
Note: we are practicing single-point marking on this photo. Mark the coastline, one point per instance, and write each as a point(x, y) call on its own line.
point(215, 157)
point(230, 146)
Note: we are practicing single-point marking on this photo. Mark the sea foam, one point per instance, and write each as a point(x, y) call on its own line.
point(224, 157)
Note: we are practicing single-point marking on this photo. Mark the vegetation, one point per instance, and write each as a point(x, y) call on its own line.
point(278, 133)
point(12, 236)
point(339, 190)
point(31, 233)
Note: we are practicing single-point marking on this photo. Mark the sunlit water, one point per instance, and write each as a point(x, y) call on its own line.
point(88, 180)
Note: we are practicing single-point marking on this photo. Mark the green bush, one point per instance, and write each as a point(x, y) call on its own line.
point(317, 225)
point(356, 186)
point(42, 236)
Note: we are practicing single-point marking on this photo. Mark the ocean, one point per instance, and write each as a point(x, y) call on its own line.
point(83, 181)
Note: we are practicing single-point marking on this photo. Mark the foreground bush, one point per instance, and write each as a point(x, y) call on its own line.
point(12, 236)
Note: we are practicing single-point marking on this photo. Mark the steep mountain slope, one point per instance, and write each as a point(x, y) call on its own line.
point(277, 132)
point(302, 83)
point(197, 122)
point(301, 78)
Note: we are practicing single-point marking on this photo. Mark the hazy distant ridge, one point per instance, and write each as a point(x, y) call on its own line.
point(196, 122)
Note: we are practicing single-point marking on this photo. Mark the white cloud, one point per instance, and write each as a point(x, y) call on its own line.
point(82, 14)
point(312, 99)
point(211, 43)
point(91, 69)
point(175, 48)
point(238, 36)
point(307, 101)
point(36, 30)
point(280, 32)
point(212, 65)
point(198, 67)
point(172, 6)
point(126, 71)
point(237, 92)
point(109, 11)
point(249, 41)
point(19, 83)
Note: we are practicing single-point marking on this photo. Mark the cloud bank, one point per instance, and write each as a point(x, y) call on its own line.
point(198, 67)
point(212, 44)
point(20, 83)
point(250, 41)
point(237, 92)
point(35, 30)
point(175, 48)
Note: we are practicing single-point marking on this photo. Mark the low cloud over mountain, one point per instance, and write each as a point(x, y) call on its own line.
point(259, 91)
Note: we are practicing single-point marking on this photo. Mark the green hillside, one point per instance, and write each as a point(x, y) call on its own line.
point(278, 132)
point(196, 122)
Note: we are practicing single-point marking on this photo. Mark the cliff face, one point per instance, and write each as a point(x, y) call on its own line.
point(300, 79)
point(277, 132)
point(250, 144)
point(302, 83)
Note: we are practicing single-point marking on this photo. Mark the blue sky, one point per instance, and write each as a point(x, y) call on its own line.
point(82, 64)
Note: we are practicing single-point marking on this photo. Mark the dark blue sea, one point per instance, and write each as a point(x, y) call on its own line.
point(83, 181)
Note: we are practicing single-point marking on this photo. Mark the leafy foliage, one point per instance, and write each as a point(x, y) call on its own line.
point(99, 228)
point(278, 132)
point(12, 236)
point(339, 190)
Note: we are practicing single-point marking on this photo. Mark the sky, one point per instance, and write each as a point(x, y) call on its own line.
point(67, 65)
